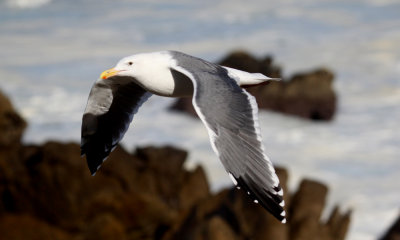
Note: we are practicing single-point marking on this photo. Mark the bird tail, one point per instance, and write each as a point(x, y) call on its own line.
point(246, 79)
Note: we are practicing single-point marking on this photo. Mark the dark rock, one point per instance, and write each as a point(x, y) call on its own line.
point(148, 195)
point(305, 211)
point(308, 201)
point(105, 226)
point(17, 227)
point(138, 197)
point(308, 95)
point(194, 189)
point(338, 224)
point(218, 229)
point(47, 192)
point(134, 194)
point(234, 210)
point(12, 125)
point(394, 231)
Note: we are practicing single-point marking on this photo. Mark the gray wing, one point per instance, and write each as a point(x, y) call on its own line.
point(230, 116)
point(109, 111)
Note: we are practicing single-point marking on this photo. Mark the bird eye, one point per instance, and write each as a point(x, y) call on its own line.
point(130, 63)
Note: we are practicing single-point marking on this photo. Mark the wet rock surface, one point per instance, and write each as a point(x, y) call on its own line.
point(308, 95)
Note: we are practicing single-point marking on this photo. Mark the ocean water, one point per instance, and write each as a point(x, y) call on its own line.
point(52, 51)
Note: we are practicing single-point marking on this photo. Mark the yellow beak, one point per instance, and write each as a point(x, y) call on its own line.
point(109, 73)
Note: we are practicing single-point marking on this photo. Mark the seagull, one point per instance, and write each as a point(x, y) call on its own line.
point(229, 113)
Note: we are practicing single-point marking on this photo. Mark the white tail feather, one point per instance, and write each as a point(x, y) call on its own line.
point(245, 78)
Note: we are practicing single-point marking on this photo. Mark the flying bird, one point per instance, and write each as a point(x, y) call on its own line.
point(229, 113)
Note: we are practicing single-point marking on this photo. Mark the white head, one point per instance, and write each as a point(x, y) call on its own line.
point(125, 67)
point(140, 65)
point(149, 70)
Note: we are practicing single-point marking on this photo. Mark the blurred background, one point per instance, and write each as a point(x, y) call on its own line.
point(51, 52)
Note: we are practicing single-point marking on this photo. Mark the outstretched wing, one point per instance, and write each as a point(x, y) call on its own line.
point(230, 116)
point(109, 111)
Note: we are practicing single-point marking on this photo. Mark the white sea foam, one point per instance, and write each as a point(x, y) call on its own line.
point(52, 54)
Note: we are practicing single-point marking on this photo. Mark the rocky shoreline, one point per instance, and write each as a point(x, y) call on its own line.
point(47, 192)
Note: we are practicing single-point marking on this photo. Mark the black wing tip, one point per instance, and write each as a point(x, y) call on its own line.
point(273, 203)
point(94, 156)
point(94, 163)
point(93, 169)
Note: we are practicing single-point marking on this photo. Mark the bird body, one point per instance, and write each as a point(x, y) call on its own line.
point(227, 110)
point(152, 71)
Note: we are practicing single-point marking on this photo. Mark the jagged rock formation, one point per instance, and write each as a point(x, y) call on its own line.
point(309, 95)
point(47, 192)
point(11, 124)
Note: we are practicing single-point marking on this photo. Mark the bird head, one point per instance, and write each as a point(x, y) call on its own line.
point(125, 67)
